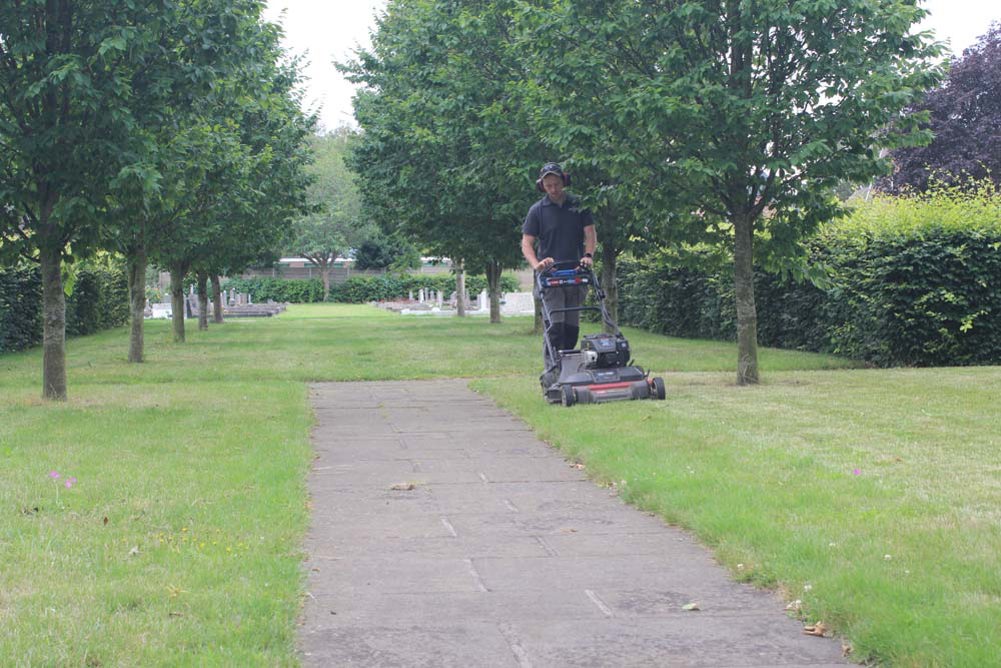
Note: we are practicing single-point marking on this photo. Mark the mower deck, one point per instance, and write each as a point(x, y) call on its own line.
point(600, 371)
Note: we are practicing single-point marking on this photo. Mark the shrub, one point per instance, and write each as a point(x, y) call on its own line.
point(688, 297)
point(99, 299)
point(917, 279)
point(913, 281)
point(20, 309)
point(361, 289)
point(263, 289)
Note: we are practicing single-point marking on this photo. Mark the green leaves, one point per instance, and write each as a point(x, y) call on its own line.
point(114, 43)
point(443, 155)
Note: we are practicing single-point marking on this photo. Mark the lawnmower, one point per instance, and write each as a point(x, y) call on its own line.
point(601, 369)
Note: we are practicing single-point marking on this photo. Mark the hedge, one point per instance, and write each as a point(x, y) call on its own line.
point(914, 281)
point(265, 289)
point(99, 300)
point(359, 289)
point(20, 309)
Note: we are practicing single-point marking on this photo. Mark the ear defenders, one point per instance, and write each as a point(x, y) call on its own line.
point(551, 168)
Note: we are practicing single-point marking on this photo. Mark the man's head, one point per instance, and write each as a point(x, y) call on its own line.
point(552, 180)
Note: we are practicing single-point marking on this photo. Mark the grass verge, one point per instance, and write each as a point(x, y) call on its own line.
point(178, 541)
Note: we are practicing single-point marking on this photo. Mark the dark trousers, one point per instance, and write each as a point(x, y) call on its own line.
point(565, 326)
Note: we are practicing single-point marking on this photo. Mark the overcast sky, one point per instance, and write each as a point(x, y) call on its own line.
point(326, 31)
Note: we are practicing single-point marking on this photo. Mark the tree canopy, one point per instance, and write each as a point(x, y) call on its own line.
point(965, 116)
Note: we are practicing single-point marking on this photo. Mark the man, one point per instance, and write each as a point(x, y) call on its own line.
point(564, 233)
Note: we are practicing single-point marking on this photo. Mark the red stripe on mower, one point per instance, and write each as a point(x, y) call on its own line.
point(610, 386)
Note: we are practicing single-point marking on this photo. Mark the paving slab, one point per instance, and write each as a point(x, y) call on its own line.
point(444, 533)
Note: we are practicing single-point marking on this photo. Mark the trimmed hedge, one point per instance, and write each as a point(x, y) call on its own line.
point(99, 300)
point(263, 289)
point(914, 281)
point(20, 309)
point(359, 289)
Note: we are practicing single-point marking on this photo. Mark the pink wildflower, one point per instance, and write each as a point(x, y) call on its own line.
point(53, 474)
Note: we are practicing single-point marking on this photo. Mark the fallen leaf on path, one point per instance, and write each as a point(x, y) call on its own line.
point(403, 486)
point(819, 629)
point(691, 607)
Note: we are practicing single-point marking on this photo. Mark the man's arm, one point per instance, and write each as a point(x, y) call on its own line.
point(528, 250)
point(590, 244)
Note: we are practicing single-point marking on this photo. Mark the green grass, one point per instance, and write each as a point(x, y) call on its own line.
point(198, 459)
point(179, 541)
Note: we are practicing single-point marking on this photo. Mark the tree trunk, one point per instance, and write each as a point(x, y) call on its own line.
point(53, 325)
point(177, 273)
point(216, 300)
point(493, 289)
point(743, 283)
point(325, 275)
point(609, 271)
point(137, 304)
point(460, 289)
point(203, 300)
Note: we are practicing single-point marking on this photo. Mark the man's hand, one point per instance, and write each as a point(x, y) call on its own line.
point(586, 262)
point(545, 263)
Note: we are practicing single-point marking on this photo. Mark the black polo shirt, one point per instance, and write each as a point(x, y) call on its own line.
point(559, 229)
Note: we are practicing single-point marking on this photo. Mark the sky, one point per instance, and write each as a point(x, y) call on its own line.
point(325, 31)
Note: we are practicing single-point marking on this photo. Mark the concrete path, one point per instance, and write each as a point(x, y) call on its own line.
point(445, 534)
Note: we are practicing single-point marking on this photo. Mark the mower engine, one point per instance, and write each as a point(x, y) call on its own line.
point(605, 351)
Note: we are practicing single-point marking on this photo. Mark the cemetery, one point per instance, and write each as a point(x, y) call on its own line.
point(433, 302)
point(793, 209)
point(235, 305)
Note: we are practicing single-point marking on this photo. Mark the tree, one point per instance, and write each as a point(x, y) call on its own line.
point(380, 251)
point(256, 216)
point(574, 81)
point(336, 223)
point(965, 116)
point(443, 133)
point(65, 131)
point(178, 90)
point(757, 110)
point(233, 172)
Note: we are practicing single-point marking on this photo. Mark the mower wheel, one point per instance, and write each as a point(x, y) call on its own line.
point(659, 390)
point(567, 395)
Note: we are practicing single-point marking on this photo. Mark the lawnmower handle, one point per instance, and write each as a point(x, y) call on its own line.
point(565, 264)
